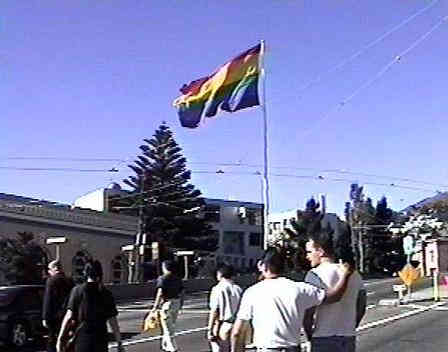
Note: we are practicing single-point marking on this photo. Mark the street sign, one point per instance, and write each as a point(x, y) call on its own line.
point(408, 245)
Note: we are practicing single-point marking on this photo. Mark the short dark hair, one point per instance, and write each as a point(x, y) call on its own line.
point(226, 270)
point(93, 270)
point(324, 240)
point(169, 265)
point(273, 261)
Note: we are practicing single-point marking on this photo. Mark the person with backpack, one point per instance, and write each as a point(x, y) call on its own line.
point(92, 306)
point(57, 292)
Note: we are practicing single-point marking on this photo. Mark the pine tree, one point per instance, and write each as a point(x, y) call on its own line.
point(169, 202)
point(384, 214)
point(308, 223)
point(22, 259)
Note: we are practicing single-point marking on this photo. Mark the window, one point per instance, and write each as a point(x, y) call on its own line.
point(233, 242)
point(117, 269)
point(212, 213)
point(255, 239)
point(252, 216)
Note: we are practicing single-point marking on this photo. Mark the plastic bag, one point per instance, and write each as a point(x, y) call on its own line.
point(151, 323)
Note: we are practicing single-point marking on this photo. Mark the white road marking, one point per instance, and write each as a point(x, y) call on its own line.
point(154, 338)
point(370, 306)
point(379, 282)
point(418, 309)
point(370, 293)
point(398, 316)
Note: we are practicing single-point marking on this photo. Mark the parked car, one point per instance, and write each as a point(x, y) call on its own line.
point(21, 314)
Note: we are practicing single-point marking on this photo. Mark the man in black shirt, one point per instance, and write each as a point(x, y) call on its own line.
point(57, 291)
point(169, 299)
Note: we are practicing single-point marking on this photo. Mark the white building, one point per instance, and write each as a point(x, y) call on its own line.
point(280, 221)
point(239, 224)
point(240, 228)
point(99, 199)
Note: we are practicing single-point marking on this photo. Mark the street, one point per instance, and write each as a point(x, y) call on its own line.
point(384, 328)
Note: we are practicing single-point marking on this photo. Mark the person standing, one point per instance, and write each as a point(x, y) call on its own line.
point(57, 291)
point(276, 306)
point(224, 302)
point(92, 306)
point(169, 299)
point(332, 327)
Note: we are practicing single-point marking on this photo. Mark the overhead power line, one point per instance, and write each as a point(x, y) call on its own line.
point(376, 77)
point(358, 53)
point(217, 164)
point(317, 178)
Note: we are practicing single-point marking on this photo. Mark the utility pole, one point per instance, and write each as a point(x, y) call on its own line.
point(361, 248)
point(140, 238)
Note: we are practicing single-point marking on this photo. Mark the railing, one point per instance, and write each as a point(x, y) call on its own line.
point(76, 216)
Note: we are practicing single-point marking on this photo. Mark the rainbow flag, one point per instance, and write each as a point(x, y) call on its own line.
point(232, 87)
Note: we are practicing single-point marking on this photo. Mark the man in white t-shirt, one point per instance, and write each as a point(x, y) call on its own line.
point(276, 306)
point(332, 327)
point(225, 299)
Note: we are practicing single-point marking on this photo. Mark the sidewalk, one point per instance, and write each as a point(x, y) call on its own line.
point(420, 295)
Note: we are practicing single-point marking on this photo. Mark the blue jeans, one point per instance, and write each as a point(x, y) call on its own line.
point(333, 344)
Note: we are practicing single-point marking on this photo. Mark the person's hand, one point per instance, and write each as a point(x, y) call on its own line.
point(120, 347)
point(347, 269)
point(44, 323)
point(211, 336)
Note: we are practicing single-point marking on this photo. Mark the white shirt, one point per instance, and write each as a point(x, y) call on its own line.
point(225, 298)
point(276, 308)
point(335, 319)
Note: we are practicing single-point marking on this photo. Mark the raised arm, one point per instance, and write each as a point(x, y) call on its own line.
point(334, 294)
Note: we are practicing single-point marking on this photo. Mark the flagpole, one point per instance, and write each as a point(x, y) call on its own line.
point(265, 149)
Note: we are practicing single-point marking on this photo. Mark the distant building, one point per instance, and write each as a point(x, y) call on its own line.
point(240, 228)
point(280, 221)
point(99, 199)
point(238, 224)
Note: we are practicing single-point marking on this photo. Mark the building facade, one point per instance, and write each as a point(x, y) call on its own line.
point(280, 221)
point(89, 234)
point(238, 224)
point(240, 229)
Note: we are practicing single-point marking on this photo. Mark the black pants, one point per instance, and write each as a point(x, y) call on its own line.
point(93, 342)
point(53, 331)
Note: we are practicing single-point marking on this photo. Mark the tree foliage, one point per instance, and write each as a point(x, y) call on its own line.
point(292, 242)
point(22, 259)
point(170, 203)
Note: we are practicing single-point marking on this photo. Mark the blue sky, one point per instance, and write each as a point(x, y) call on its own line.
point(91, 79)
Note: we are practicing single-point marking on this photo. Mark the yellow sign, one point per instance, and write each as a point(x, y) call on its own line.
point(409, 274)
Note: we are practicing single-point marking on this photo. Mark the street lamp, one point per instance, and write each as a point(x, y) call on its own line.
point(185, 254)
point(130, 250)
point(57, 241)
